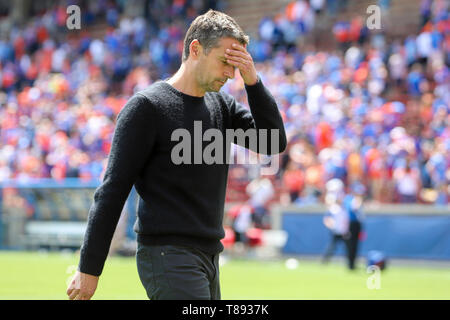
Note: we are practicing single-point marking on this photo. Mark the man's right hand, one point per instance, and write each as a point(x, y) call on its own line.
point(82, 286)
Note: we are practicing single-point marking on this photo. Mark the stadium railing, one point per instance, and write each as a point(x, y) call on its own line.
point(49, 213)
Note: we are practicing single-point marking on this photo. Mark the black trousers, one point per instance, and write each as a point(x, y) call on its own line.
point(353, 242)
point(178, 273)
point(335, 239)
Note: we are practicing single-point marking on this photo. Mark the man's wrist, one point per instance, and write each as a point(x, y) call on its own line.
point(255, 83)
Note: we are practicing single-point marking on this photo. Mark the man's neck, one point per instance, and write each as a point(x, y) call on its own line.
point(183, 80)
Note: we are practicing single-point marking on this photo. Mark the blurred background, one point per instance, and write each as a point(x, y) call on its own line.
point(364, 95)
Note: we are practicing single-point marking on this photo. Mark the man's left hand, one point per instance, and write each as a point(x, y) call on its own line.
point(239, 57)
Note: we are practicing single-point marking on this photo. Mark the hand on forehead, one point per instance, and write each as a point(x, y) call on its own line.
point(230, 43)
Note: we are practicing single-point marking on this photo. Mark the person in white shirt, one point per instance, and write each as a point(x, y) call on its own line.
point(337, 219)
point(260, 191)
point(408, 184)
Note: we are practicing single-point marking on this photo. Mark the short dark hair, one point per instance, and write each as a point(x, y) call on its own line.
point(209, 28)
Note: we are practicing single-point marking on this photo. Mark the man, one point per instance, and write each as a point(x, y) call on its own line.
point(353, 206)
point(180, 213)
point(337, 220)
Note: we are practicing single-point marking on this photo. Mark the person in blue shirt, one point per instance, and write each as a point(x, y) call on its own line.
point(353, 206)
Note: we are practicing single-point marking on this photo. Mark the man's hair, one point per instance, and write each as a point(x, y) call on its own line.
point(209, 28)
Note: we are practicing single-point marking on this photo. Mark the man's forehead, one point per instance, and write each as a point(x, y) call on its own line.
point(226, 43)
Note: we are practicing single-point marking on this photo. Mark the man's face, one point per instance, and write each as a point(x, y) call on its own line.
point(212, 70)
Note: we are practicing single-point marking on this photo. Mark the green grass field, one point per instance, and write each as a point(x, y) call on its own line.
point(33, 275)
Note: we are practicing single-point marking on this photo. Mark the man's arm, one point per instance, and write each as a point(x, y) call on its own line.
point(131, 145)
point(264, 113)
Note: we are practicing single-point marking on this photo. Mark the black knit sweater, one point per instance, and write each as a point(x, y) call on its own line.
point(179, 203)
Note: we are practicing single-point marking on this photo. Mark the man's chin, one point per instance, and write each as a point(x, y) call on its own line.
point(215, 88)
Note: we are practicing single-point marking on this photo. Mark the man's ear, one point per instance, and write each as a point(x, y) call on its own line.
point(195, 48)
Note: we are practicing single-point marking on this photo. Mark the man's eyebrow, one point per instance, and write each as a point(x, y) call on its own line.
point(224, 59)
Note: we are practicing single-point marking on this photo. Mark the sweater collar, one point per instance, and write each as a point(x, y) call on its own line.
point(181, 94)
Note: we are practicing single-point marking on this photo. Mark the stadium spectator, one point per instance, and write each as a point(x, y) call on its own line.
point(261, 192)
point(407, 180)
point(241, 221)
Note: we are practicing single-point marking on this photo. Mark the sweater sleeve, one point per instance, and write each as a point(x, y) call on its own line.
point(263, 114)
point(132, 142)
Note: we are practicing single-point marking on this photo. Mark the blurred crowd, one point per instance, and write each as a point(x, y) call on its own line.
point(372, 111)
point(61, 90)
